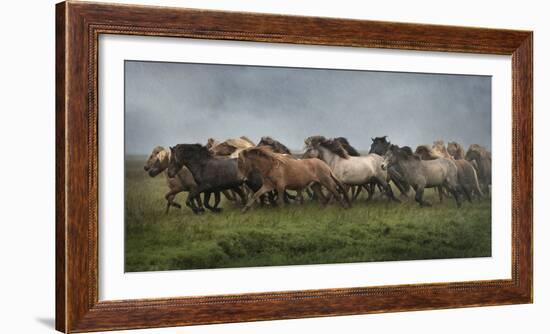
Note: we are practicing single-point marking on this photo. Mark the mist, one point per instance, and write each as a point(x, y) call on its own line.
point(172, 103)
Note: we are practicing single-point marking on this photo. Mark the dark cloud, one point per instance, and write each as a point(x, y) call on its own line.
point(170, 103)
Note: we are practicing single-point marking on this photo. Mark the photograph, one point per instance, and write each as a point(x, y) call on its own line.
point(232, 166)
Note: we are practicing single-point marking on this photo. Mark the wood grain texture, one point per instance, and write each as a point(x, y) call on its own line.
point(78, 27)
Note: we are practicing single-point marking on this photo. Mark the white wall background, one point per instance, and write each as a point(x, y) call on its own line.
point(27, 72)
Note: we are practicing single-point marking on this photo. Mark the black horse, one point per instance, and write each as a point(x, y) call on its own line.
point(212, 174)
point(276, 145)
point(380, 146)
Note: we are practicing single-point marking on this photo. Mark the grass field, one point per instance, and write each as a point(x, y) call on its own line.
point(294, 234)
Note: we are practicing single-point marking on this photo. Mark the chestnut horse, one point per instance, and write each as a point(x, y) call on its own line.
point(280, 172)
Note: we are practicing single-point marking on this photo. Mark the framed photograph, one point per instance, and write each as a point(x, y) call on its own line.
point(223, 167)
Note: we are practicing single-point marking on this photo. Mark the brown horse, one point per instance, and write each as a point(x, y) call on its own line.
point(280, 173)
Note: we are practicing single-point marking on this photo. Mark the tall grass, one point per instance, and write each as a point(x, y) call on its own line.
point(294, 234)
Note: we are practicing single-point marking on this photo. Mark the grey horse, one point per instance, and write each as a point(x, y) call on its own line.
point(421, 174)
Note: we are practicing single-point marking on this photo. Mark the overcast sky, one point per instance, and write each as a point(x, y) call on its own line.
point(171, 103)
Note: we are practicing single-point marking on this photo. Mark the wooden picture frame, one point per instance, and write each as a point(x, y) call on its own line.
point(78, 26)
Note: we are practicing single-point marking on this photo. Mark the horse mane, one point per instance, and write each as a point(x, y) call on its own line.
point(314, 140)
point(404, 152)
point(335, 147)
point(346, 145)
point(276, 145)
point(266, 152)
point(440, 149)
point(478, 150)
point(196, 150)
point(245, 138)
point(211, 143)
point(157, 150)
point(425, 152)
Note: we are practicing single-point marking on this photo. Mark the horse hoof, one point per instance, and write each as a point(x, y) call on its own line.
point(216, 210)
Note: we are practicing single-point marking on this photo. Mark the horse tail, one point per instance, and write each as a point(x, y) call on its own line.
point(340, 187)
point(476, 182)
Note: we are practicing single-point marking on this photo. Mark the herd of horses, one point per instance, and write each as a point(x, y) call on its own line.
point(330, 169)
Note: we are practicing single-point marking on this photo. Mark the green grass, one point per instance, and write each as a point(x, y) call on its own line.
point(294, 234)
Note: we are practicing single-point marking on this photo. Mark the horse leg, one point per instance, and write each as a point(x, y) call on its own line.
point(370, 190)
point(281, 194)
point(440, 192)
point(285, 196)
point(387, 189)
point(456, 194)
point(358, 191)
point(272, 198)
point(264, 189)
point(189, 202)
point(467, 192)
point(170, 199)
point(229, 195)
point(300, 197)
point(316, 187)
point(419, 197)
point(333, 188)
point(397, 179)
point(239, 191)
point(216, 201)
point(310, 193)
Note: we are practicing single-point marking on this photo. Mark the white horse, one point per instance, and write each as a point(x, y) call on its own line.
point(351, 170)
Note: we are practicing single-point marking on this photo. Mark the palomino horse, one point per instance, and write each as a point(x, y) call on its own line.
point(280, 172)
point(351, 171)
point(212, 174)
point(421, 174)
point(183, 181)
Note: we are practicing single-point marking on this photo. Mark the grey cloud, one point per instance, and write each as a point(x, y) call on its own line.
point(170, 103)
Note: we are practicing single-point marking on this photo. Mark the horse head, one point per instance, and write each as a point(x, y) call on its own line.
point(394, 155)
point(379, 145)
point(154, 164)
point(266, 141)
point(455, 150)
point(311, 153)
point(186, 154)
